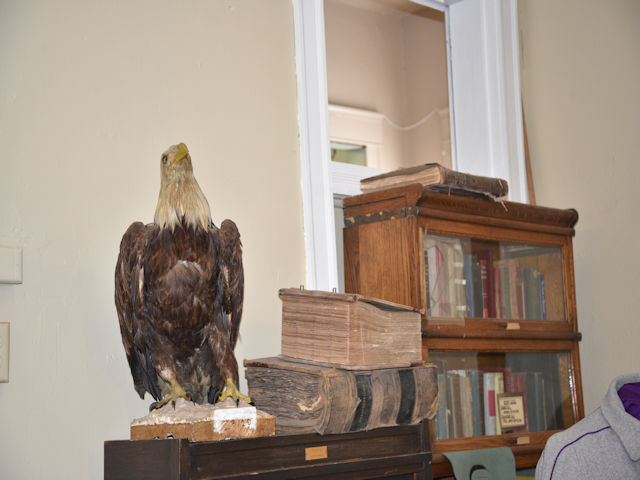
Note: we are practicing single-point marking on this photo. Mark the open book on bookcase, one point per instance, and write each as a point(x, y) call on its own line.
point(495, 282)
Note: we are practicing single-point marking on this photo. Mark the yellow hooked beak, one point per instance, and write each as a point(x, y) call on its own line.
point(182, 152)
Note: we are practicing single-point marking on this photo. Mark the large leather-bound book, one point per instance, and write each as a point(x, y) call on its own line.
point(437, 177)
point(347, 330)
point(308, 397)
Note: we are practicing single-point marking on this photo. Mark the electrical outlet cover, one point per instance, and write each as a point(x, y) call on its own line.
point(4, 351)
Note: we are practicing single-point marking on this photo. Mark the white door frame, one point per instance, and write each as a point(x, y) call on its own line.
point(484, 101)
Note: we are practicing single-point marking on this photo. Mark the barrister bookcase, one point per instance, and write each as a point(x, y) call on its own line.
point(495, 284)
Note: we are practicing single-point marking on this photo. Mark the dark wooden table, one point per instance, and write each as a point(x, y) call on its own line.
point(393, 453)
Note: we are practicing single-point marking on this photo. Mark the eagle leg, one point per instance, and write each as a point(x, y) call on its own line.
point(176, 392)
point(230, 390)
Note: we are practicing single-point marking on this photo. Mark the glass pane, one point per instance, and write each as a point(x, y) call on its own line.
point(346, 153)
point(472, 388)
point(469, 277)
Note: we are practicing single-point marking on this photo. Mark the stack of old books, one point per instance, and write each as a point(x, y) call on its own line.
point(348, 363)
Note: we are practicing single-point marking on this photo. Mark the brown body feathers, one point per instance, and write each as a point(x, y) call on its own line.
point(179, 290)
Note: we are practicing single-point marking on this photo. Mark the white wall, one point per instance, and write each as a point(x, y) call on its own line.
point(390, 61)
point(426, 84)
point(91, 93)
point(581, 91)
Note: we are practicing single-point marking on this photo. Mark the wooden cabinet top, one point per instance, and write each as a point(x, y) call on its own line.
point(400, 452)
point(415, 200)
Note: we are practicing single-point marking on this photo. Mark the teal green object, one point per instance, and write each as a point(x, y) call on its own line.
point(485, 464)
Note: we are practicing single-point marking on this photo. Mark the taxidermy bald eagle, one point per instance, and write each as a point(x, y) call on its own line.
point(179, 286)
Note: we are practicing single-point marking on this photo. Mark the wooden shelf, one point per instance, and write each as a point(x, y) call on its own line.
point(387, 237)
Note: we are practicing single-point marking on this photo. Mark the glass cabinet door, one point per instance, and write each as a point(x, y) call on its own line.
point(469, 277)
point(531, 391)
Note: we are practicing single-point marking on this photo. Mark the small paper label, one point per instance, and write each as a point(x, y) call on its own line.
point(513, 326)
point(511, 410)
point(523, 440)
point(315, 453)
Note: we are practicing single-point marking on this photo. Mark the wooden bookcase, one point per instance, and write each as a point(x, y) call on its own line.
point(436, 251)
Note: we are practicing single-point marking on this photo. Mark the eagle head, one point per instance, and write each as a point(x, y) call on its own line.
point(180, 200)
point(175, 161)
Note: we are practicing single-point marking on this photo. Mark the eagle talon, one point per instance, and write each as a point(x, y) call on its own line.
point(176, 392)
point(230, 390)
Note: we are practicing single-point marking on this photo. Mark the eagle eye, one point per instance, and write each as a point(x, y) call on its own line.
point(164, 159)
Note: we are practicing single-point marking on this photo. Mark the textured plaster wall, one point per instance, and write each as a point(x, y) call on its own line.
point(581, 91)
point(91, 93)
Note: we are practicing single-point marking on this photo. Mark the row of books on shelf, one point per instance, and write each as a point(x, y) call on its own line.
point(462, 284)
point(469, 399)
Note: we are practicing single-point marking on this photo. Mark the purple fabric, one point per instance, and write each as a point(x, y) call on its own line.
point(629, 394)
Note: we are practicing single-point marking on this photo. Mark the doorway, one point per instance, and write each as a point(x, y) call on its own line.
point(387, 89)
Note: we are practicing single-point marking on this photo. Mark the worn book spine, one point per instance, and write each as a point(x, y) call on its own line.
point(441, 421)
point(306, 397)
point(498, 388)
point(506, 292)
point(497, 288)
point(477, 287)
point(456, 404)
point(496, 187)
point(535, 401)
point(459, 280)
point(489, 403)
point(485, 258)
point(468, 278)
point(466, 403)
point(437, 259)
point(434, 279)
point(515, 284)
point(552, 286)
point(543, 301)
point(323, 401)
point(477, 397)
point(441, 266)
point(531, 293)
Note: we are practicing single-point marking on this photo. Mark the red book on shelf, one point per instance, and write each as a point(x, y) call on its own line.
point(485, 258)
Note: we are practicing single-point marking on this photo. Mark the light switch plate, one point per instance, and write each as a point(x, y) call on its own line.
point(10, 264)
point(4, 351)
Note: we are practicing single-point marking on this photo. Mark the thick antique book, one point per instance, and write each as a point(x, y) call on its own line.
point(307, 397)
point(437, 177)
point(349, 330)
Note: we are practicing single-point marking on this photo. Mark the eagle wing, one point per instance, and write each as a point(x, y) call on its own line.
point(231, 256)
point(129, 299)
